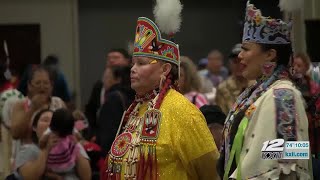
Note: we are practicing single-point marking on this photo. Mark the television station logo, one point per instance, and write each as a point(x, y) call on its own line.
point(281, 149)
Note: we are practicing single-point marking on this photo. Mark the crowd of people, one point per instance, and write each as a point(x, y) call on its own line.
point(155, 114)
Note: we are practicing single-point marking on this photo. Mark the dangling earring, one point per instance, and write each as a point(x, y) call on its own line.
point(292, 71)
point(291, 67)
point(268, 68)
point(162, 80)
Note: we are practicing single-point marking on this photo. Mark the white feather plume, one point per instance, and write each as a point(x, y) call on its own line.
point(168, 15)
point(290, 5)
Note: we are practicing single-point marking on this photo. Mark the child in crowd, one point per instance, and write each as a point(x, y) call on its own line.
point(62, 157)
point(215, 119)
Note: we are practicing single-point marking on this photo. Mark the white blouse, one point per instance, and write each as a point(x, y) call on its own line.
point(278, 113)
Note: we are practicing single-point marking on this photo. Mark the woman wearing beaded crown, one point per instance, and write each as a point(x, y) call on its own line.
point(163, 135)
point(270, 109)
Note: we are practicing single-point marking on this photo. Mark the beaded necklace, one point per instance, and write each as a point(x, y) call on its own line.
point(247, 98)
point(137, 141)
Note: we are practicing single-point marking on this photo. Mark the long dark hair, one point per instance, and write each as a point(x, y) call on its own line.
point(284, 52)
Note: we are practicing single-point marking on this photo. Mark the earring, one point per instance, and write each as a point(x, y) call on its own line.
point(294, 73)
point(268, 68)
point(162, 80)
point(291, 67)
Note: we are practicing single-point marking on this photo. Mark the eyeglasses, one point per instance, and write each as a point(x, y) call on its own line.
point(38, 84)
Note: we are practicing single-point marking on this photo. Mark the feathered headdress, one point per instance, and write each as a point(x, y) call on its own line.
point(148, 41)
point(168, 15)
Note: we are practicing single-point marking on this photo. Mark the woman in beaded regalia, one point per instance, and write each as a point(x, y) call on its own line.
point(163, 135)
point(270, 109)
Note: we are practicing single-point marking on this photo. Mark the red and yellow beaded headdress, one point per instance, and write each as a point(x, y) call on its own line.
point(148, 40)
point(149, 43)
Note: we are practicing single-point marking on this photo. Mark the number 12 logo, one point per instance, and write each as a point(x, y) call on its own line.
point(273, 145)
